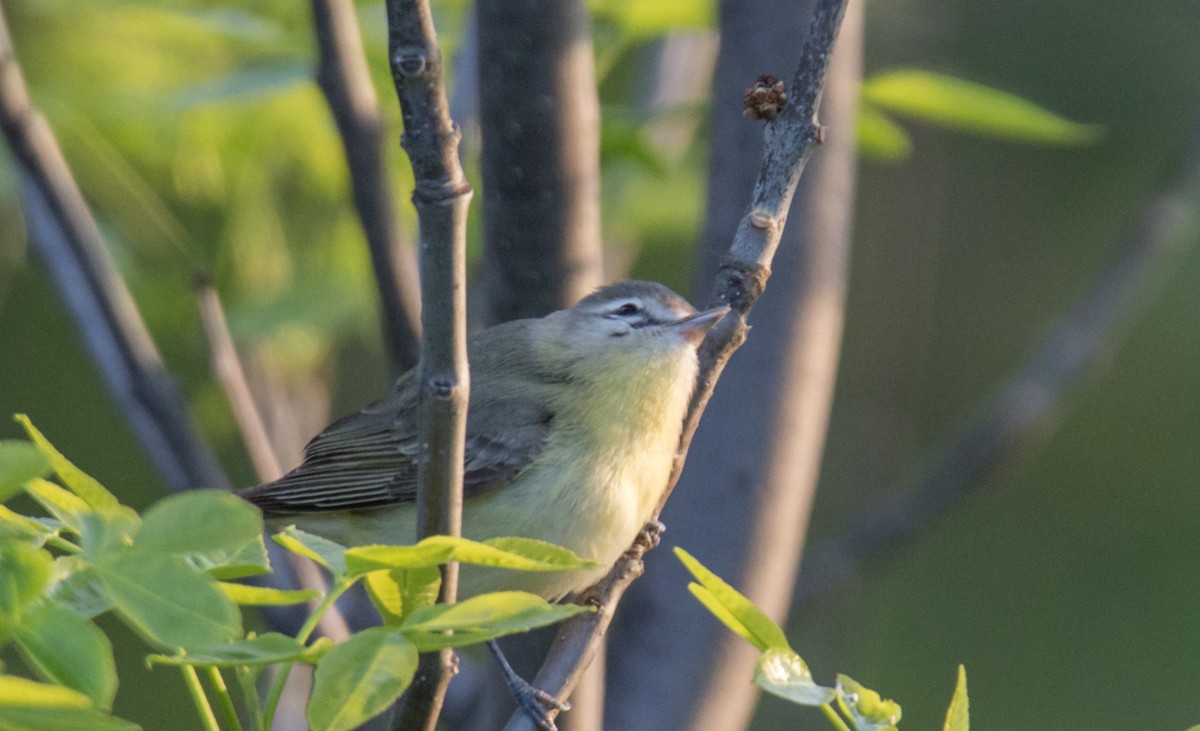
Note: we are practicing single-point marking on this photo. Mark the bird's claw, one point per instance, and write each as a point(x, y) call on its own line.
point(651, 534)
point(536, 703)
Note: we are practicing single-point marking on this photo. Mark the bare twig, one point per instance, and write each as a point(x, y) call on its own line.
point(540, 121)
point(441, 197)
point(789, 141)
point(69, 242)
point(760, 445)
point(1023, 411)
point(345, 80)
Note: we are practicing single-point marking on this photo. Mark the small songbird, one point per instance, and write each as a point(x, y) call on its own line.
point(572, 424)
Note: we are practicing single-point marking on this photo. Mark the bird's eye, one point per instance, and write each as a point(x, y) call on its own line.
point(627, 309)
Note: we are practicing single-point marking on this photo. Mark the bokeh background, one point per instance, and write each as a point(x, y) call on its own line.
point(1067, 583)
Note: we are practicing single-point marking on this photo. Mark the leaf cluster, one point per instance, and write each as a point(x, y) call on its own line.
point(169, 575)
point(782, 672)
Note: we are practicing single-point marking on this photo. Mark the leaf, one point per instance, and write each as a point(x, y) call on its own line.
point(398, 592)
point(734, 610)
point(783, 673)
point(481, 618)
point(265, 596)
point(25, 574)
point(79, 588)
point(26, 705)
point(19, 463)
point(67, 649)
point(865, 707)
point(101, 530)
point(78, 481)
point(68, 507)
point(958, 714)
point(325, 552)
point(199, 521)
point(359, 679)
point(266, 649)
point(524, 554)
point(955, 103)
point(655, 18)
point(879, 137)
point(23, 528)
point(167, 602)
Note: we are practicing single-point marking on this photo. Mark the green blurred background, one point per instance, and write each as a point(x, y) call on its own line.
point(1068, 584)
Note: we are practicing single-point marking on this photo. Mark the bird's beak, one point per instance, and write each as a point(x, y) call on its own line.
point(693, 328)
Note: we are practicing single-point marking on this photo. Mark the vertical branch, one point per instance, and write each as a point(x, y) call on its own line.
point(66, 237)
point(740, 280)
point(540, 122)
point(345, 80)
point(441, 197)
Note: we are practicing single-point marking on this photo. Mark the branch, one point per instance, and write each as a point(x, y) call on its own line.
point(441, 197)
point(789, 140)
point(66, 236)
point(540, 122)
point(345, 80)
point(1023, 411)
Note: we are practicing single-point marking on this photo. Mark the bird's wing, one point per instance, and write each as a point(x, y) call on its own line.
point(368, 459)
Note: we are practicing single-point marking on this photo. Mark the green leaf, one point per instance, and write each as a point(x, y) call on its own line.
point(79, 482)
point(482, 617)
point(199, 521)
point(19, 463)
point(26, 705)
point(67, 649)
point(212, 530)
point(22, 528)
point(266, 649)
point(25, 574)
point(322, 550)
point(524, 554)
point(265, 596)
point(101, 530)
point(958, 714)
point(783, 673)
point(865, 707)
point(167, 602)
point(955, 103)
point(879, 137)
point(398, 592)
point(655, 18)
point(64, 505)
point(359, 679)
point(734, 610)
point(79, 587)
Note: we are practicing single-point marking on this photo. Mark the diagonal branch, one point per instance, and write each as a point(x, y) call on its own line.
point(1022, 412)
point(66, 236)
point(345, 80)
point(441, 197)
point(742, 276)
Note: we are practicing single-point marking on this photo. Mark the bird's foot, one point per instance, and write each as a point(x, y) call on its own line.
point(536, 703)
point(650, 535)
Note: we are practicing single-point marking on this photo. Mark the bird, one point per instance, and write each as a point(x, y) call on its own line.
point(573, 422)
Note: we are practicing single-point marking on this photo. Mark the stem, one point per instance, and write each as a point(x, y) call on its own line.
point(63, 545)
point(223, 698)
point(834, 718)
point(207, 718)
point(246, 681)
point(340, 587)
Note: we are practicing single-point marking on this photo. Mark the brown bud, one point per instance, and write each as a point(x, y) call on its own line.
point(765, 98)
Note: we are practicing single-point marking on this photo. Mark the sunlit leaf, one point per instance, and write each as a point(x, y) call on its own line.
point(397, 592)
point(955, 103)
point(958, 715)
point(734, 610)
point(25, 574)
point(67, 649)
point(879, 137)
point(23, 528)
point(655, 18)
point(783, 673)
point(523, 554)
point(325, 552)
point(869, 711)
point(26, 705)
point(359, 679)
point(481, 618)
point(265, 596)
point(19, 463)
point(78, 481)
